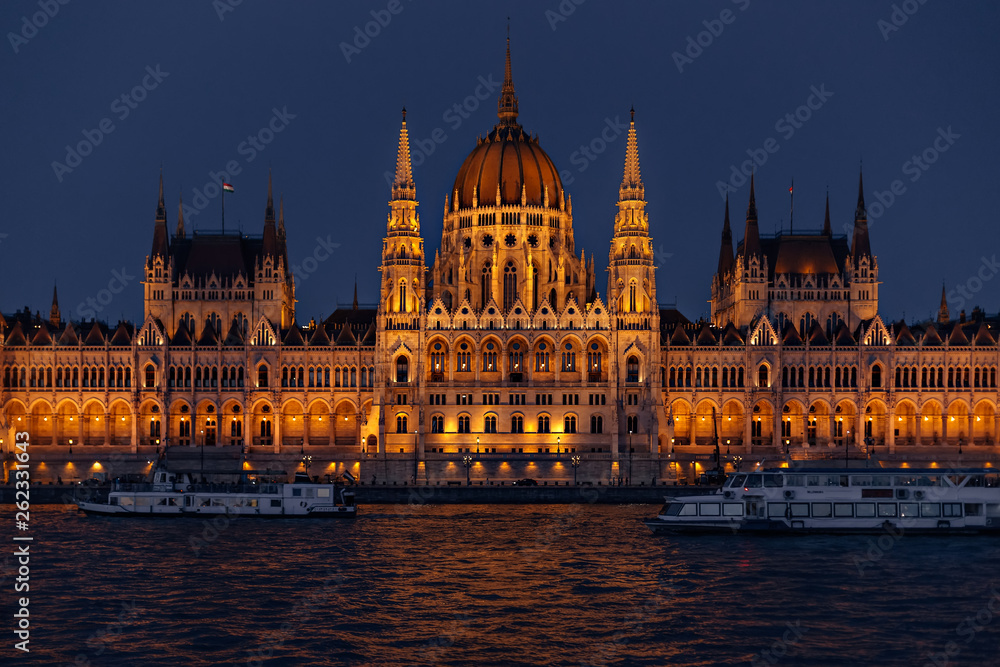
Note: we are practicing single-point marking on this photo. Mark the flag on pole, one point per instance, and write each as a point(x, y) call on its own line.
point(228, 188)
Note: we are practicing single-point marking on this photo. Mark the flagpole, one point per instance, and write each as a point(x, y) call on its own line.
point(223, 209)
point(791, 208)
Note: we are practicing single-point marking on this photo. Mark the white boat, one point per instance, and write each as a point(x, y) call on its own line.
point(249, 493)
point(842, 500)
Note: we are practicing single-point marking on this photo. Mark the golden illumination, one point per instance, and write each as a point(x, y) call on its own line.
point(97, 465)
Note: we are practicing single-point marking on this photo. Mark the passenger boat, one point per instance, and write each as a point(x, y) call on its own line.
point(842, 500)
point(250, 493)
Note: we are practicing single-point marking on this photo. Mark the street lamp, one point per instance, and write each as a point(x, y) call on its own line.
point(737, 462)
point(468, 464)
point(477, 445)
point(71, 445)
point(307, 461)
point(558, 440)
point(576, 464)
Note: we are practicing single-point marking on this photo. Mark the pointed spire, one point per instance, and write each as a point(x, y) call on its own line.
point(860, 245)
point(943, 316)
point(631, 187)
point(403, 186)
point(726, 249)
point(160, 237)
point(827, 231)
point(180, 217)
point(751, 234)
point(270, 235)
point(507, 104)
point(54, 317)
point(281, 216)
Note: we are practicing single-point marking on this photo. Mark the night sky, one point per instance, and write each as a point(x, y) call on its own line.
point(887, 82)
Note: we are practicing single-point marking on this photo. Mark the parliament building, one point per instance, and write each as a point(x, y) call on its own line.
point(499, 346)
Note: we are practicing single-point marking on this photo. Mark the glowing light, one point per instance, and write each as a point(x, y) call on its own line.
point(45, 419)
point(952, 419)
point(97, 465)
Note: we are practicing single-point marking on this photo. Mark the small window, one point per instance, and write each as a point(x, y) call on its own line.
point(689, 509)
point(275, 502)
point(864, 510)
point(708, 509)
point(776, 509)
point(909, 510)
point(821, 509)
point(951, 509)
point(732, 509)
point(930, 510)
point(799, 509)
point(886, 509)
point(843, 509)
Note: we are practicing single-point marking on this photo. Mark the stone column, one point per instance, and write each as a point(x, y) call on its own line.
point(277, 431)
point(890, 431)
point(776, 440)
point(107, 429)
point(305, 428)
point(135, 434)
point(944, 428)
point(747, 439)
point(918, 436)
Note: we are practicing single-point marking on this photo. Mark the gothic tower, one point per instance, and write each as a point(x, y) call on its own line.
point(635, 315)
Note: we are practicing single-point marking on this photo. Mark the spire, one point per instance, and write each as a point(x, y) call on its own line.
point(943, 317)
point(507, 104)
point(281, 216)
point(54, 317)
point(403, 186)
point(160, 239)
point(860, 245)
point(631, 187)
point(726, 250)
point(751, 234)
point(826, 220)
point(180, 217)
point(270, 235)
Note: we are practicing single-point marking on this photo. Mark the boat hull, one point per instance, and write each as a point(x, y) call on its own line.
point(159, 512)
point(782, 528)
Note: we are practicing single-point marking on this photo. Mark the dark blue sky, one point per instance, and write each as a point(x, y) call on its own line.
point(888, 94)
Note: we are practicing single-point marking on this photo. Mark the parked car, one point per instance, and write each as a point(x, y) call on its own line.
point(526, 482)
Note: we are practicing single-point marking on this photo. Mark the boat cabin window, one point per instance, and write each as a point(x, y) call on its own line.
point(951, 509)
point(754, 481)
point(688, 509)
point(930, 509)
point(992, 481)
point(821, 510)
point(843, 509)
point(864, 510)
point(886, 510)
point(296, 493)
point(776, 509)
point(737, 480)
point(823, 480)
point(672, 509)
point(861, 480)
point(322, 493)
point(992, 510)
point(772, 481)
point(732, 509)
point(708, 509)
point(795, 480)
point(799, 509)
point(973, 509)
point(881, 480)
point(275, 502)
point(909, 510)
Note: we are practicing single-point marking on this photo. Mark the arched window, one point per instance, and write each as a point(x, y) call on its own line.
point(402, 296)
point(517, 424)
point(265, 428)
point(150, 376)
point(401, 424)
point(632, 369)
point(543, 424)
point(490, 424)
point(402, 369)
point(631, 294)
point(762, 376)
point(486, 283)
point(877, 375)
point(437, 424)
point(596, 424)
point(463, 424)
point(569, 424)
point(632, 423)
point(509, 286)
point(262, 375)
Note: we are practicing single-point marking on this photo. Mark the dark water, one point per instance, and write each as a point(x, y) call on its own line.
point(508, 585)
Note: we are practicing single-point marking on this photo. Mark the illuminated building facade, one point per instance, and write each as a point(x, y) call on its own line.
point(500, 343)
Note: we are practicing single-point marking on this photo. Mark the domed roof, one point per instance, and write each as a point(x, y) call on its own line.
point(509, 158)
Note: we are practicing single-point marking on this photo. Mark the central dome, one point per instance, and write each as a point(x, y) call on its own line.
point(509, 159)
